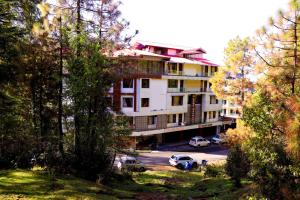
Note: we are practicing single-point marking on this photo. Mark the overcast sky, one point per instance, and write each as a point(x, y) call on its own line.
point(199, 23)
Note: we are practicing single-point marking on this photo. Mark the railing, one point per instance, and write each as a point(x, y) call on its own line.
point(182, 73)
point(188, 90)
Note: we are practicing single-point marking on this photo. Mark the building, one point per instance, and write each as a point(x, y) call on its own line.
point(165, 89)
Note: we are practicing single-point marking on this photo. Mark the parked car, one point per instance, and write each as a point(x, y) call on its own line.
point(180, 161)
point(217, 139)
point(130, 163)
point(199, 141)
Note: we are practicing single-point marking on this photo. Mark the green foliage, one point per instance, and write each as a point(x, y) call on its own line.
point(237, 165)
point(271, 169)
point(259, 114)
point(270, 164)
point(35, 51)
point(214, 170)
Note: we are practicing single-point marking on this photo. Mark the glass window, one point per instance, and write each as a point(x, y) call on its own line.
point(145, 83)
point(127, 102)
point(152, 120)
point(172, 118)
point(172, 67)
point(177, 100)
point(172, 83)
point(145, 102)
point(127, 83)
point(213, 100)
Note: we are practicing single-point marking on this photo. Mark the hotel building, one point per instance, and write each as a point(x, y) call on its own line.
point(165, 90)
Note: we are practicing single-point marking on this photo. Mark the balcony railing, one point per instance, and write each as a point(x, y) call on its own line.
point(188, 90)
point(182, 73)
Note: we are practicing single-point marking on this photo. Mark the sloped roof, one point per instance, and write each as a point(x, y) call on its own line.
point(185, 60)
point(157, 44)
point(136, 53)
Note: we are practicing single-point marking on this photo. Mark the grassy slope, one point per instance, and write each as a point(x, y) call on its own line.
point(24, 184)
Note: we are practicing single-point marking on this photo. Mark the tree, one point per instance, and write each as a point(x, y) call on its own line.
point(277, 49)
point(232, 81)
point(237, 165)
point(271, 166)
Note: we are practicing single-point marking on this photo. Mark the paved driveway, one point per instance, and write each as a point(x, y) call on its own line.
point(161, 156)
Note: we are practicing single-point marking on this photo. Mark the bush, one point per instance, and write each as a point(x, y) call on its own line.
point(237, 165)
point(214, 171)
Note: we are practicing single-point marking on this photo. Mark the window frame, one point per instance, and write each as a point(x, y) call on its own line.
point(127, 97)
point(180, 102)
point(145, 79)
point(173, 86)
point(142, 103)
point(132, 84)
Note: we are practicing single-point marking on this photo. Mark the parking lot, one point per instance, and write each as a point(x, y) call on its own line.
point(159, 159)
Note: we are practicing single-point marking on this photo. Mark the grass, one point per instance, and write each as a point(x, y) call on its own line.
point(38, 184)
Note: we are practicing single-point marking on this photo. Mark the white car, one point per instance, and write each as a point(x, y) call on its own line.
point(130, 163)
point(199, 141)
point(217, 139)
point(180, 161)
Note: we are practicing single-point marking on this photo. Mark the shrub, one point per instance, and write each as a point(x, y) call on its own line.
point(237, 165)
point(214, 170)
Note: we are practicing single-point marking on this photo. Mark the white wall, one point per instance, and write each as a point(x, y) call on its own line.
point(210, 107)
point(179, 109)
point(127, 90)
point(156, 93)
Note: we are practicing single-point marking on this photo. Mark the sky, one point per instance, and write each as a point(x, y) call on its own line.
point(208, 24)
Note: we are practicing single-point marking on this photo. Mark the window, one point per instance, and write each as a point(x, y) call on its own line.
point(214, 114)
point(172, 83)
point(127, 102)
point(177, 100)
point(127, 83)
point(172, 67)
point(172, 118)
point(224, 111)
point(224, 102)
point(213, 100)
point(145, 83)
point(145, 102)
point(152, 120)
point(198, 99)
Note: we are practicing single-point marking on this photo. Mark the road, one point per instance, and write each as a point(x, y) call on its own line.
point(161, 157)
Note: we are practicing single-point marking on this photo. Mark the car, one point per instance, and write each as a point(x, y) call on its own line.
point(180, 161)
point(199, 141)
point(217, 139)
point(130, 163)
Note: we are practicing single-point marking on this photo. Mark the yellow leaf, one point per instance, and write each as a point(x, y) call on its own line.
point(44, 8)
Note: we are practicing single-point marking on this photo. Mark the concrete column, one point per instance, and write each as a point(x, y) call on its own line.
point(218, 130)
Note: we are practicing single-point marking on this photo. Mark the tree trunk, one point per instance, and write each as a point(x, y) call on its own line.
point(60, 111)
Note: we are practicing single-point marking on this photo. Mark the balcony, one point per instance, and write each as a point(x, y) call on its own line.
point(182, 73)
point(189, 90)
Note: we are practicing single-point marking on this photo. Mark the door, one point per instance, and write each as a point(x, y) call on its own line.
point(181, 85)
point(205, 86)
point(180, 68)
point(179, 119)
point(206, 70)
point(205, 116)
